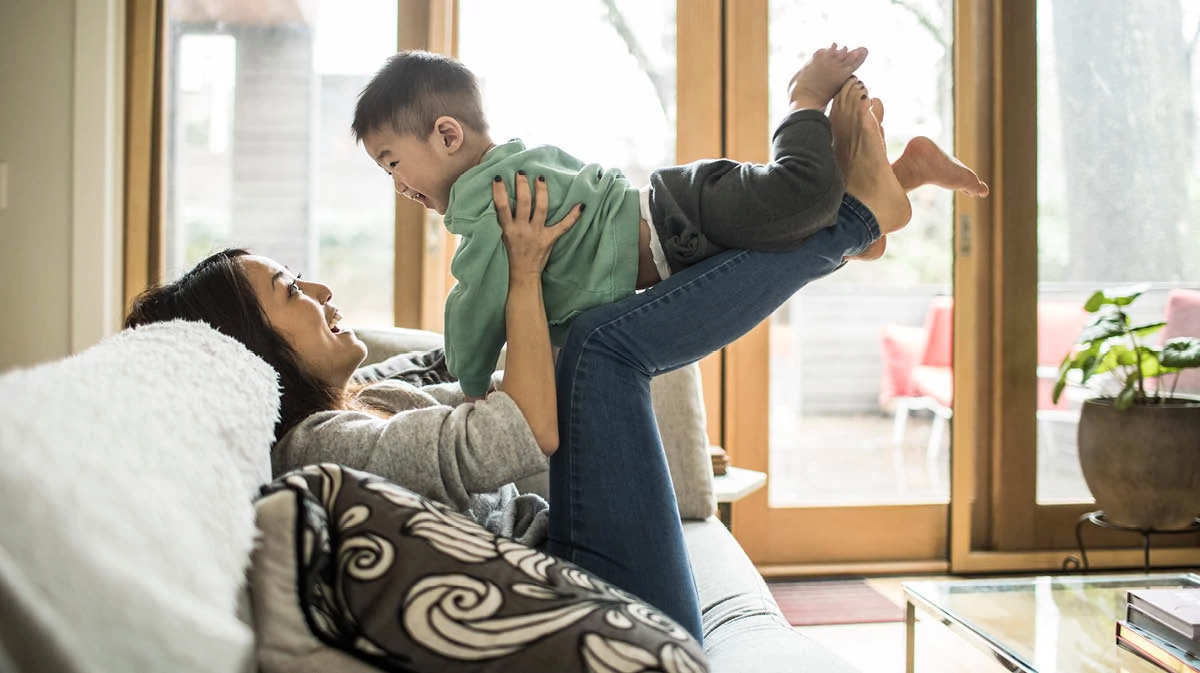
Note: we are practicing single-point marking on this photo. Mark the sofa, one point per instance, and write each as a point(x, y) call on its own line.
point(127, 473)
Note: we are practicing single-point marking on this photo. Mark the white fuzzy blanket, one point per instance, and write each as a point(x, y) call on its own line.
point(126, 478)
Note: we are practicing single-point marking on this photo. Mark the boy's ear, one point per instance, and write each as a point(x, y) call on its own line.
point(448, 134)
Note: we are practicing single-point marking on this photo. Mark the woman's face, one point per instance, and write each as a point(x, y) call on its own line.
point(300, 311)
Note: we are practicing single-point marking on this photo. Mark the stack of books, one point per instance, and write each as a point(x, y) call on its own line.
point(1163, 627)
point(720, 460)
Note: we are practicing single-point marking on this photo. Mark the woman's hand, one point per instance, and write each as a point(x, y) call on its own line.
point(529, 364)
point(526, 237)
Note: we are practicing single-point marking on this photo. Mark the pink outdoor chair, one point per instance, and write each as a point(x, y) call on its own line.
point(1183, 319)
point(918, 368)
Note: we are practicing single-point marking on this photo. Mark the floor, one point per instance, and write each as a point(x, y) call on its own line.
point(879, 648)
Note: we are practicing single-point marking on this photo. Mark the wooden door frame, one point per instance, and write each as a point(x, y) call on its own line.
point(770, 536)
point(422, 246)
point(144, 134)
point(996, 523)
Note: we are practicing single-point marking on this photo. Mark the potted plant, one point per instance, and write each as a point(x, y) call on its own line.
point(1139, 441)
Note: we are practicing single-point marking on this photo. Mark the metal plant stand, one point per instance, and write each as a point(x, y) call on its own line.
point(1097, 518)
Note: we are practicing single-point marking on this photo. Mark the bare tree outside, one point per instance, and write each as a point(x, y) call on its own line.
point(1126, 125)
point(661, 77)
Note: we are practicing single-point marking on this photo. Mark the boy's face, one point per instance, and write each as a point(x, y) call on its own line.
point(423, 169)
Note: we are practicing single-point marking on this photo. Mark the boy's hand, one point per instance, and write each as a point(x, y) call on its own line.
point(527, 238)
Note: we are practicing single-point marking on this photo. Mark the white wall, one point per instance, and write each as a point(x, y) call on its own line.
point(36, 84)
point(58, 270)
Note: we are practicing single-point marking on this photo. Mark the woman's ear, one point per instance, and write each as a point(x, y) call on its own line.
point(448, 134)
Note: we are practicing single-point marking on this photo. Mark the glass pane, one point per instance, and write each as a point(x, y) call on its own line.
point(603, 90)
point(1117, 188)
point(860, 361)
point(259, 103)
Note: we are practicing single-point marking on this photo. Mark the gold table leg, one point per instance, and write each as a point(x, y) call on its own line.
point(910, 636)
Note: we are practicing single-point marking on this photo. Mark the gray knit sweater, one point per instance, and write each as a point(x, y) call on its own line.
point(463, 454)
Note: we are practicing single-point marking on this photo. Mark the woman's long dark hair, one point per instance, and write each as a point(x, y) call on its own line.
point(217, 291)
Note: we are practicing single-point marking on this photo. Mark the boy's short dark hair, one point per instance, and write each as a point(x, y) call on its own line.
point(412, 90)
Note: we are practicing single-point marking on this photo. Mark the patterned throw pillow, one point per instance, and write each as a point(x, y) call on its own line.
point(406, 584)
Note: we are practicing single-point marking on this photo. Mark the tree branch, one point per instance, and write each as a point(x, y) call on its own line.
point(925, 20)
point(661, 86)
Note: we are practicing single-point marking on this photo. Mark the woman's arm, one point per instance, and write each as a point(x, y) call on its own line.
point(442, 452)
point(529, 364)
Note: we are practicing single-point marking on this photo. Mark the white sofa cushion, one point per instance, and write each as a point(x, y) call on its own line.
point(126, 479)
point(678, 401)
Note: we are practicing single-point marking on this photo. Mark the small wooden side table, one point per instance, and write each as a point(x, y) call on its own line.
point(735, 484)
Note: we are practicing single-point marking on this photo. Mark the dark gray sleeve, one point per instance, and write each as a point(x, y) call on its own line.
point(707, 206)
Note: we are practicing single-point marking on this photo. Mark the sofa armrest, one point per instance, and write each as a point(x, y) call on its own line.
point(384, 342)
point(678, 405)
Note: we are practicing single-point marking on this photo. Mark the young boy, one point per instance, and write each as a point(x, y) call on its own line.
point(421, 119)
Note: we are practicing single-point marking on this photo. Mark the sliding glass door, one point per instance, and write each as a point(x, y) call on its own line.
point(846, 396)
point(1113, 186)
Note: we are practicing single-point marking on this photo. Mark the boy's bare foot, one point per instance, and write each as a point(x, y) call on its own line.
point(924, 163)
point(815, 84)
point(858, 147)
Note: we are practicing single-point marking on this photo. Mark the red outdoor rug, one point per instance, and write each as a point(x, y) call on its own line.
point(833, 602)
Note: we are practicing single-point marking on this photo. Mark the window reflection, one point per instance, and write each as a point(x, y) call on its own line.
point(859, 367)
point(1117, 175)
point(259, 103)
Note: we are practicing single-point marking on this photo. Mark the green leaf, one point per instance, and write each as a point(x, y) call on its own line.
point(1086, 355)
point(1064, 368)
point(1090, 366)
point(1104, 326)
point(1181, 352)
point(1085, 361)
point(1126, 396)
point(1149, 328)
point(1151, 365)
point(1124, 295)
point(1058, 388)
point(1095, 301)
point(1120, 356)
point(1119, 296)
point(1117, 355)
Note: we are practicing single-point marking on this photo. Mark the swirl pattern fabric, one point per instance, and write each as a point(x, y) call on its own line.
point(406, 584)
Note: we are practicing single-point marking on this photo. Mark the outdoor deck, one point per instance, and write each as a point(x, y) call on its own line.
point(849, 460)
point(831, 441)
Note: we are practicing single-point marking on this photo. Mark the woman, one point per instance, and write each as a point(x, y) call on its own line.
point(612, 508)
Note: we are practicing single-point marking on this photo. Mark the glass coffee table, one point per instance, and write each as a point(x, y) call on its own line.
point(1037, 624)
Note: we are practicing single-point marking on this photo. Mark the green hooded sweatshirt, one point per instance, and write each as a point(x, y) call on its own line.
point(593, 264)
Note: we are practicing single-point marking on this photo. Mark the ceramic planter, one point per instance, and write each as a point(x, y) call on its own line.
point(1143, 464)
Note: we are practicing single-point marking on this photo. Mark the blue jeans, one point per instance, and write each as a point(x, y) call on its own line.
point(612, 507)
